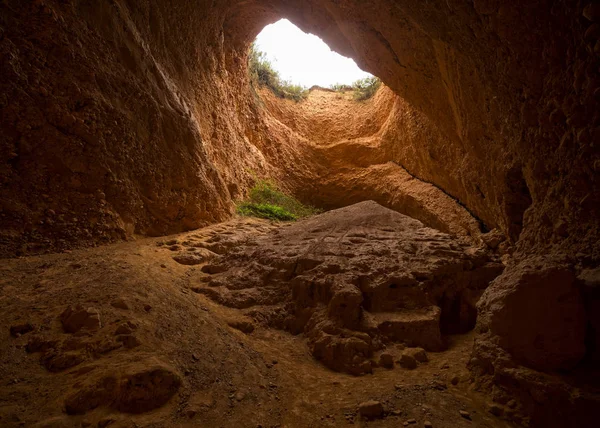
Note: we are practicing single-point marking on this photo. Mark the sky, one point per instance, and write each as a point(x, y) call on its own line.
point(304, 58)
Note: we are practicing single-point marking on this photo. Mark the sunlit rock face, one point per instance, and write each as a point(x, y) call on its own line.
point(137, 117)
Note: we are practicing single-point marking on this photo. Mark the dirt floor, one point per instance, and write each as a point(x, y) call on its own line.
point(139, 348)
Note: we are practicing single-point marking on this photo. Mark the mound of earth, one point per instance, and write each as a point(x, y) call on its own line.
point(355, 280)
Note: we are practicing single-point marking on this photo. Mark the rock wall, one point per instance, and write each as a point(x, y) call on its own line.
point(141, 121)
point(136, 116)
point(354, 149)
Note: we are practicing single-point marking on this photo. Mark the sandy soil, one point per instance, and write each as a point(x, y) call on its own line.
point(149, 352)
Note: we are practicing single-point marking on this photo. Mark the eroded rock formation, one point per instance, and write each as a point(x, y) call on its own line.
point(137, 117)
point(353, 280)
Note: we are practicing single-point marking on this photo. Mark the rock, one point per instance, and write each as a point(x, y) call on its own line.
point(189, 259)
point(455, 380)
point(416, 328)
point(411, 421)
point(129, 341)
point(125, 328)
point(592, 33)
point(418, 354)
point(537, 313)
point(407, 362)
point(465, 414)
point(512, 403)
point(39, 343)
point(495, 409)
point(106, 422)
point(242, 325)
point(493, 238)
point(427, 424)
point(146, 390)
point(371, 409)
point(57, 360)
point(119, 303)
point(592, 12)
point(316, 258)
point(21, 329)
point(386, 360)
point(440, 386)
point(135, 392)
point(77, 318)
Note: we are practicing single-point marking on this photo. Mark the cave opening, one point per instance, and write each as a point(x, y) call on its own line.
point(293, 64)
point(305, 59)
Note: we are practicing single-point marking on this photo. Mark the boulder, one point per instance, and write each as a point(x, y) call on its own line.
point(537, 313)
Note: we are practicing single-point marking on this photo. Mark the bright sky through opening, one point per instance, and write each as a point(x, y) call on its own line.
point(304, 58)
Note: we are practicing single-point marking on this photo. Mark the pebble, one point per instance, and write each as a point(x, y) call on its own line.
point(427, 424)
point(371, 409)
point(408, 362)
point(119, 303)
point(418, 354)
point(495, 409)
point(20, 329)
point(386, 360)
point(76, 318)
point(455, 380)
point(465, 414)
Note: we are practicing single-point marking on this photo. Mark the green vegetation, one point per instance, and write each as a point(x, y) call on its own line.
point(366, 88)
point(267, 201)
point(262, 73)
point(363, 88)
point(340, 87)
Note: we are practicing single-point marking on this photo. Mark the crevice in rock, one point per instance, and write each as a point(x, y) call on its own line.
point(483, 228)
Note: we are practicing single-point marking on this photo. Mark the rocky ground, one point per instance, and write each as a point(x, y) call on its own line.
point(120, 336)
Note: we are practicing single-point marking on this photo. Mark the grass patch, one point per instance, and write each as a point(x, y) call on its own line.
point(363, 88)
point(268, 211)
point(266, 200)
point(262, 73)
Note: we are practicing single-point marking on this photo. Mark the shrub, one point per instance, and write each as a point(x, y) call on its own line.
point(363, 88)
point(340, 87)
point(271, 212)
point(267, 201)
point(366, 88)
point(262, 73)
